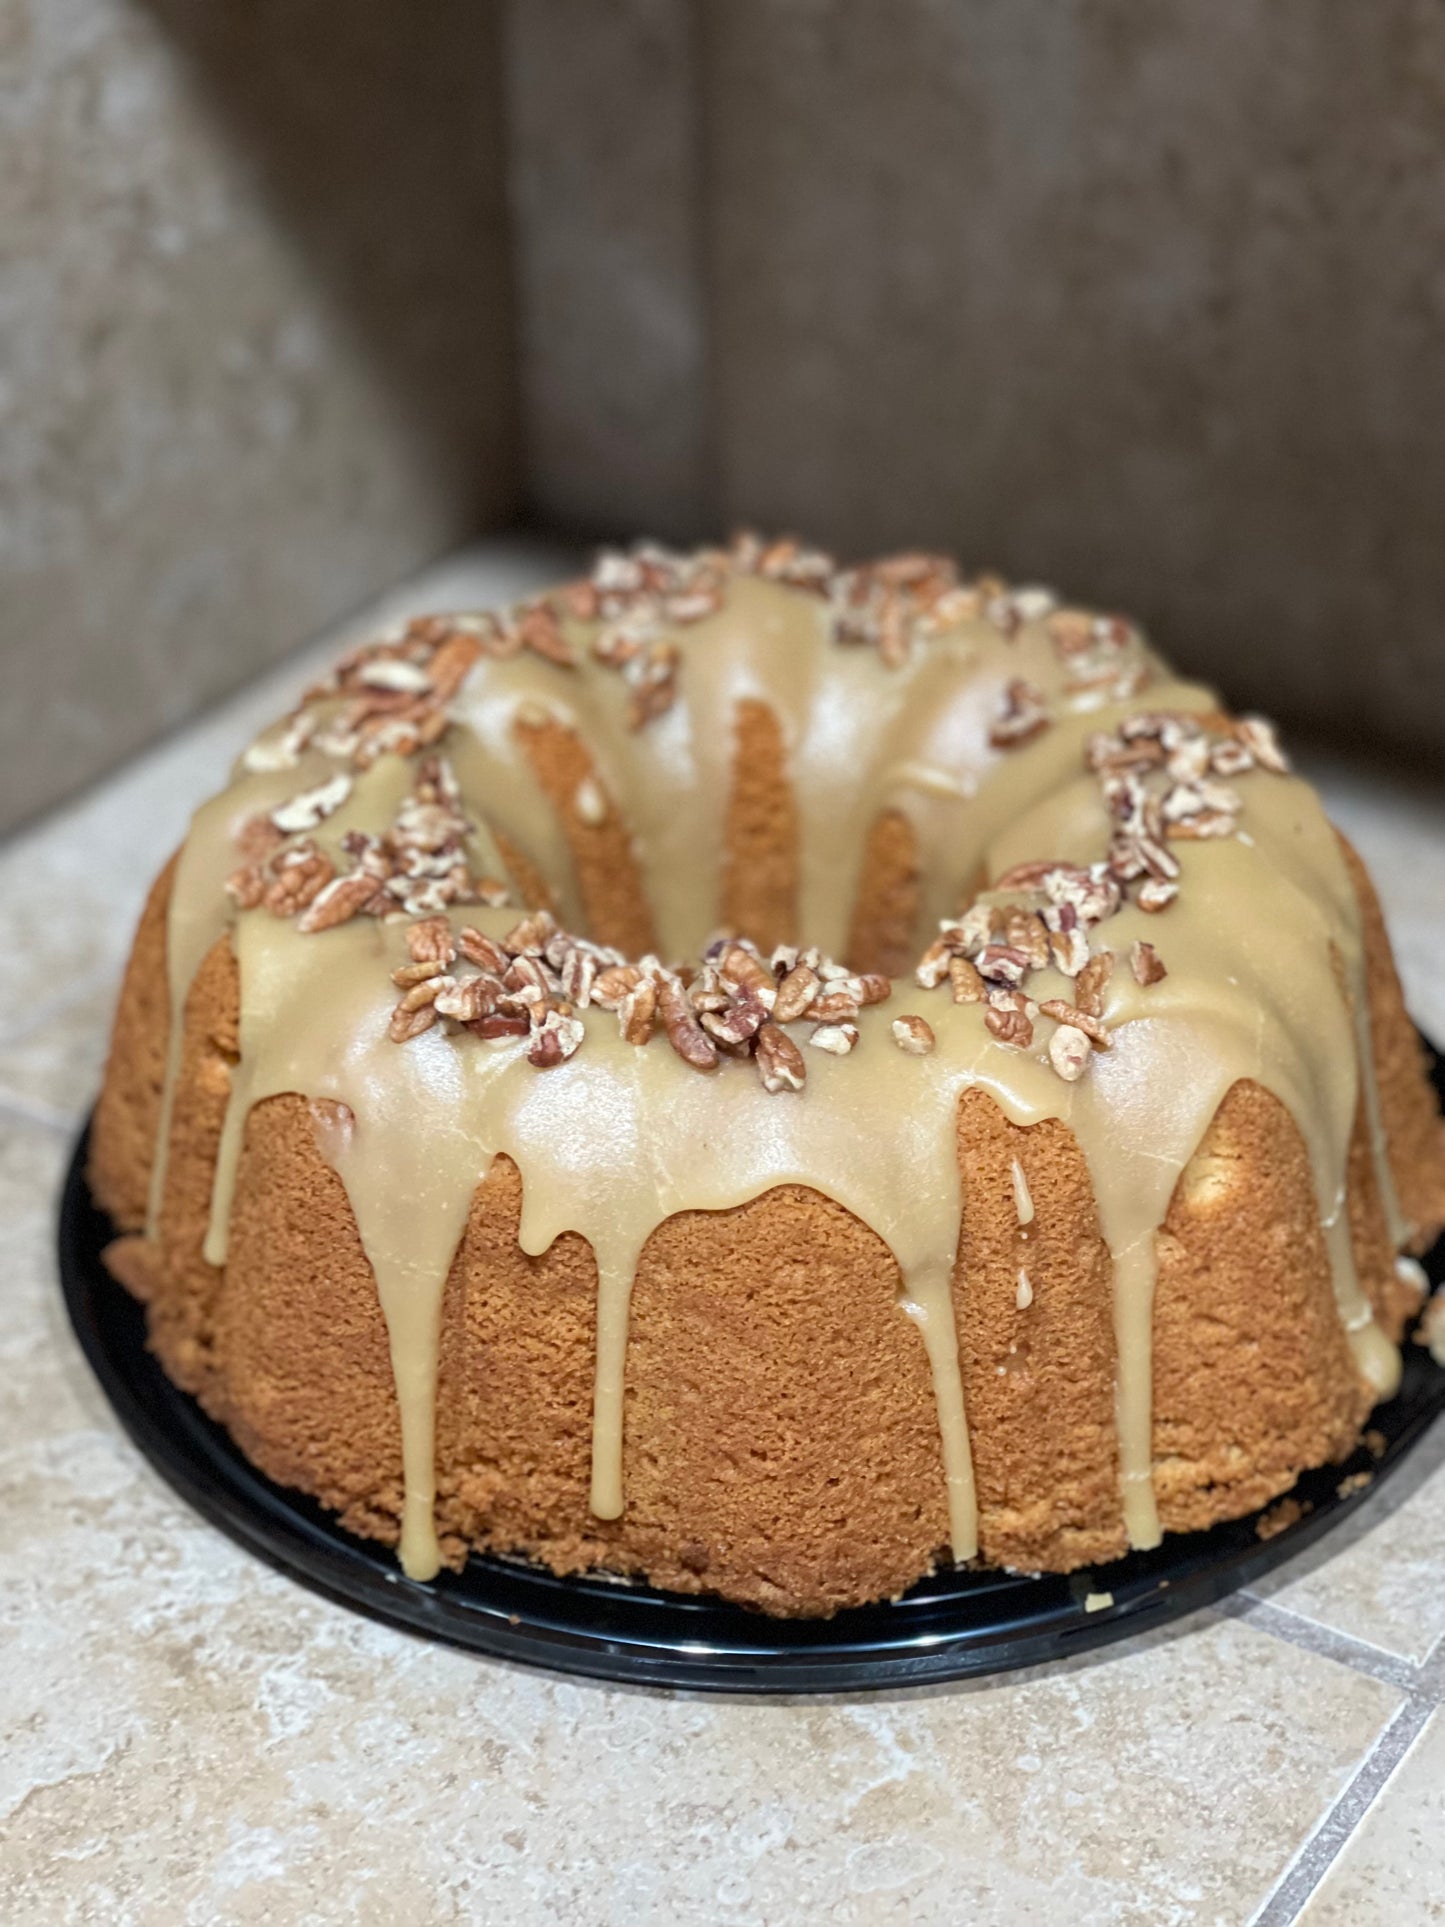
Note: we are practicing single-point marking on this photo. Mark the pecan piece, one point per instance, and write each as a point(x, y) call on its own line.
point(838, 1039)
point(1023, 713)
point(795, 993)
point(684, 1033)
point(501, 1023)
point(300, 877)
point(636, 1011)
point(1260, 739)
point(738, 1022)
point(542, 634)
point(1069, 1052)
point(1069, 950)
point(779, 1061)
point(339, 901)
point(1010, 1027)
point(312, 807)
point(968, 986)
point(482, 951)
point(531, 936)
point(247, 886)
point(1001, 963)
point(1076, 1019)
point(1146, 964)
point(746, 972)
point(468, 998)
point(430, 941)
point(1092, 981)
point(556, 1040)
point(912, 1035)
point(933, 965)
point(406, 1024)
point(258, 838)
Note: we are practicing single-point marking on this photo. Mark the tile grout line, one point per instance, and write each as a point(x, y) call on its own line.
point(1296, 1630)
point(1324, 1846)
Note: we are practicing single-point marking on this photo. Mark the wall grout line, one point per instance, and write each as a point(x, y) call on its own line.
point(1296, 1630)
point(1333, 1834)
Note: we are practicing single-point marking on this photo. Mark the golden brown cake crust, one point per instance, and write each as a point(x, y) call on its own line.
point(883, 935)
point(1413, 1126)
point(607, 875)
point(760, 867)
point(1253, 1377)
point(1038, 1376)
point(128, 1110)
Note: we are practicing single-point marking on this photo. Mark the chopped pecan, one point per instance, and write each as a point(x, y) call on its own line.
point(501, 1023)
point(247, 886)
point(1009, 1026)
point(684, 1033)
point(406, 1024)
point(968, 986)
point(1023, 713)
point(555, 1040)
point(541, 633)
point(299, 876)
point(1092, 981)
point(1026, 931)
point(1145, 962)
point(835, 1002)
point(1081, 1020)
point(430, 941)
point(482, 951)
point(795, 993)
point(912, 1035)
point(531, 936)
point(779, 1061)
point(739, 1021)
point(258, 838)
point(339, 901)
point(739, 967)
point(312, 807)
point(1069, 1052)
point(614, 984)
point(933, 965)
point(838, 1039)
point(636, 1010)
point(1069, 950)
point(1260, 739)
point(468, 998)
point(1001, 963)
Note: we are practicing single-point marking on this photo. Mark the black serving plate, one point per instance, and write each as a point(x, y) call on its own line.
point(951, 1626)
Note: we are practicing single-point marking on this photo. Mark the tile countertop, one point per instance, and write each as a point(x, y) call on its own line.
point(189, 1738)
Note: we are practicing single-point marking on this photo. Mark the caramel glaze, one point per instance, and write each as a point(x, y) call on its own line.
point(618, 1139)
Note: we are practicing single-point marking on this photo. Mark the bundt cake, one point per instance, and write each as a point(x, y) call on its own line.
point(765, 1076)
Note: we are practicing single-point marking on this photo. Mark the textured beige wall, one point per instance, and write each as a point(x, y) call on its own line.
point(1145, 299)
point(603, 117)
point(254, 343)
point(1148, 299)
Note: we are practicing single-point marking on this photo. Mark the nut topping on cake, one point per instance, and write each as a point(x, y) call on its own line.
point(1160, 779)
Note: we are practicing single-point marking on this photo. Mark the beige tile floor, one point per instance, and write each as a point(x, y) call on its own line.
point(189, 1739)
